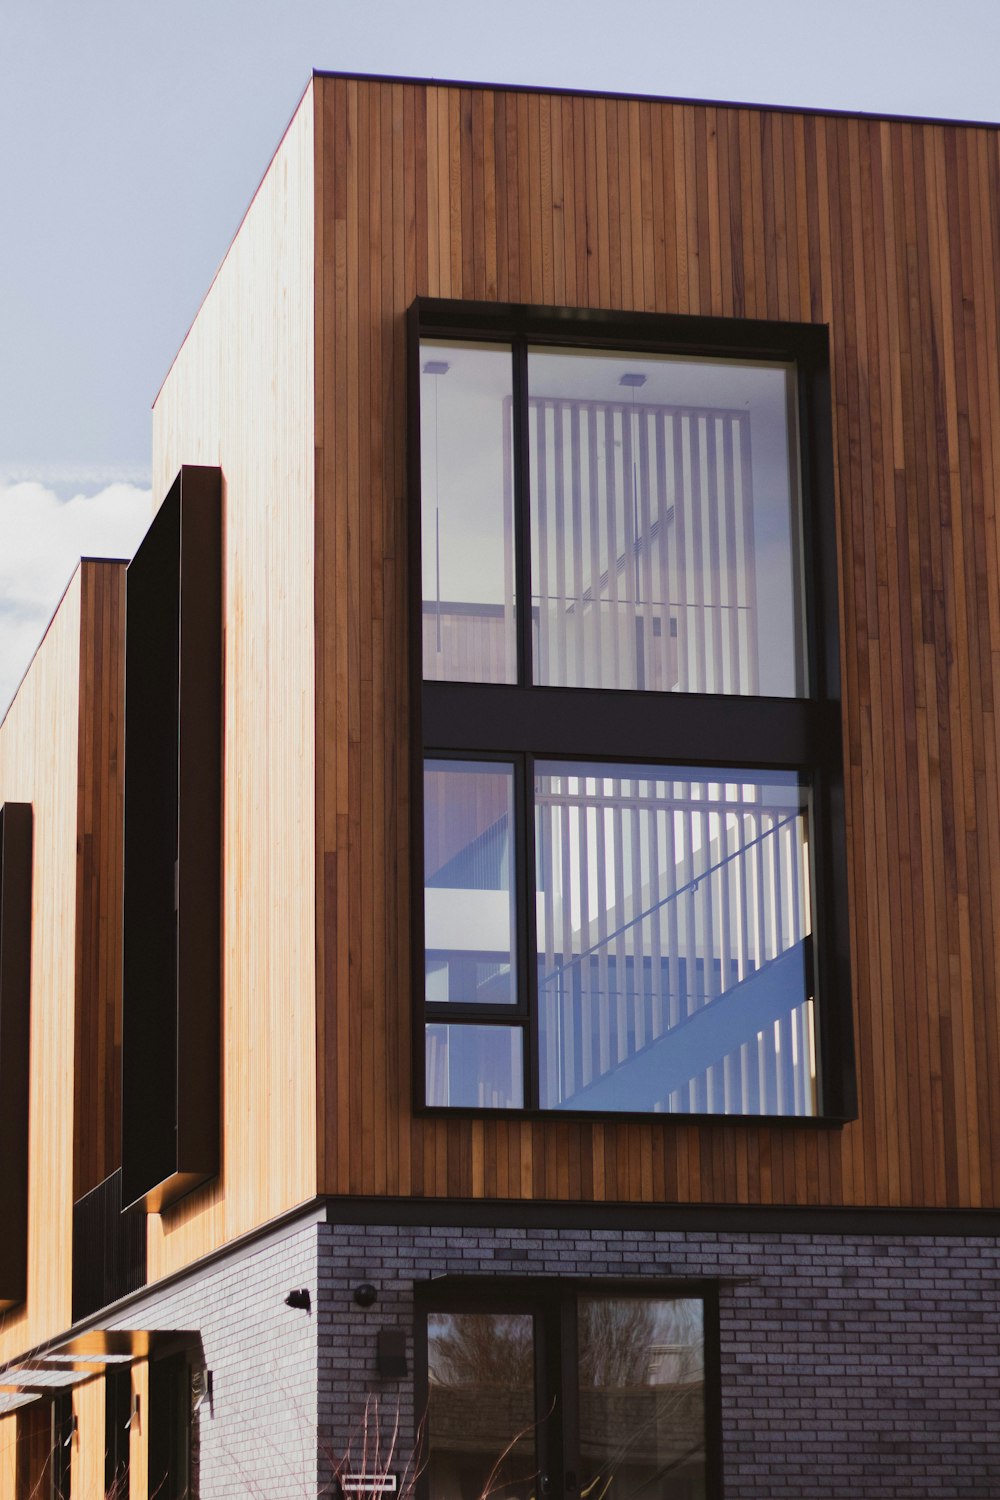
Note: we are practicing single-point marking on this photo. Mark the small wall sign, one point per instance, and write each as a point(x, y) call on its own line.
point(369, 1484)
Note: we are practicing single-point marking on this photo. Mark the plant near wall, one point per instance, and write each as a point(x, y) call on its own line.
point(372, 1454)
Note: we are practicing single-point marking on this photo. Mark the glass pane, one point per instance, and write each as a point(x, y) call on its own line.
point(481, 1406)
point(475, 1067)
point(642, 1398)
point(673, 917)
point(664, 513)
point(467, 513)
point(469, 916)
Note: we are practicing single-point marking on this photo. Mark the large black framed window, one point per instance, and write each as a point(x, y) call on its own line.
point(628, 787)
point(568, 1389)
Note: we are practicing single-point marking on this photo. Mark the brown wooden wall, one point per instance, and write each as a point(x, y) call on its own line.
point(97, 1058)
point(60, 750)
point(890, 233)
point(239, 395)
point(39, 764)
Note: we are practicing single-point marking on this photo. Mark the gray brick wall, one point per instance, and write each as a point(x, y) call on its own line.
point(851, 1367)
point(257, 1438)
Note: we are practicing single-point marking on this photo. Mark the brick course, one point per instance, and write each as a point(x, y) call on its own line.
point(851, 1366)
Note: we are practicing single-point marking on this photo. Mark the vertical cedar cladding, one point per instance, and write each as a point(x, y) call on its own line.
point(173, 744)
point(15, 992)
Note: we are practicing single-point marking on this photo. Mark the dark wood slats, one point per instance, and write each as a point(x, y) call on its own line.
point(886, 231)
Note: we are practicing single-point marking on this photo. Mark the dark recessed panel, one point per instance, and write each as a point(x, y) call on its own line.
point(173, 732)
point(15, 992)
point(109, 1248)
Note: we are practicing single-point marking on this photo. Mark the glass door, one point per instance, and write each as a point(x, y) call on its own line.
point(561, 1394)
point(641, 1391)
point(482, 1414)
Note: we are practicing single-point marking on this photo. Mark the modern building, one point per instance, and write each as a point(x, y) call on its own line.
point(499, 954)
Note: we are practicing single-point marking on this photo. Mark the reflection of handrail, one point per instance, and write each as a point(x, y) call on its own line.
point(691, 885)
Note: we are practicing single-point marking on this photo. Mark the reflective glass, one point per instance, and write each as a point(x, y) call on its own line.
point(481, 1406)
point(469, 916)
point(475, 1067)
point(467, 529)
point(665, 550)
point(642, 1398)
point(672, 919)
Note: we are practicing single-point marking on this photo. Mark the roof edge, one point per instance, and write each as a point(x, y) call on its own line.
point(584, 93)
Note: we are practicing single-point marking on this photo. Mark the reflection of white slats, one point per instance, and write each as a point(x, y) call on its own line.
point(642, 546)
point(628, 952)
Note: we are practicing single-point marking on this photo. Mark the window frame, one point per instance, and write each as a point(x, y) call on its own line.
point(552, 1302)
point(522, 722)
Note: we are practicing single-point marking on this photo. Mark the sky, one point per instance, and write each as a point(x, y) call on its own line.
point(134, 132)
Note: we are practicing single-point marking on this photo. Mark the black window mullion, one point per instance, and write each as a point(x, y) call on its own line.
point(522, 514)
point(701, 729)
point(527, 923)
point(569, 1396)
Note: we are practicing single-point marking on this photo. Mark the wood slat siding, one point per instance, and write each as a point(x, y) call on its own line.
point(240, 396)
point(138, 1434)
point(890, 233)
point(97, 1047)
point(39, 740)
point(8, 1457)
point(86, 1477)
point(60, 750)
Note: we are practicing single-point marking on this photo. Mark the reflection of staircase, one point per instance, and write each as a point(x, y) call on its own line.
point(699, 1002)
point(717, 1030)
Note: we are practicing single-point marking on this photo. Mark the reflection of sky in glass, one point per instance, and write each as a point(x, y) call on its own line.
point(462, 469)
point(469, 900)
point(656, 1342)
point(475, 1067)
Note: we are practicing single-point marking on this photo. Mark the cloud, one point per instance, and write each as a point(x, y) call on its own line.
point(42, 538)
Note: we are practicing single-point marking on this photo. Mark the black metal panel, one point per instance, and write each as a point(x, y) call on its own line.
point(700, 729)
point(15, 1016)
point(173, 757)
point(199, 826)
point(149, 1048)
point(109, 1248)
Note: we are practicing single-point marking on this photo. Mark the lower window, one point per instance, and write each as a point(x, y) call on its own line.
point(583, 1394)
point(617, 937)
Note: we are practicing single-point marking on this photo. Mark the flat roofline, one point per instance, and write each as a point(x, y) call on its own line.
point(534, 88)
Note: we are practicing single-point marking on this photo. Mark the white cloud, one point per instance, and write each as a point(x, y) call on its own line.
point(42, 538)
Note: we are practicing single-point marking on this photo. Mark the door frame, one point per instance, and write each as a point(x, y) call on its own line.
point(552, 1301)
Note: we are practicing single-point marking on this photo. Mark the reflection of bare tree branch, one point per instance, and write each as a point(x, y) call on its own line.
point(641, 1394)
point(482, 1349)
